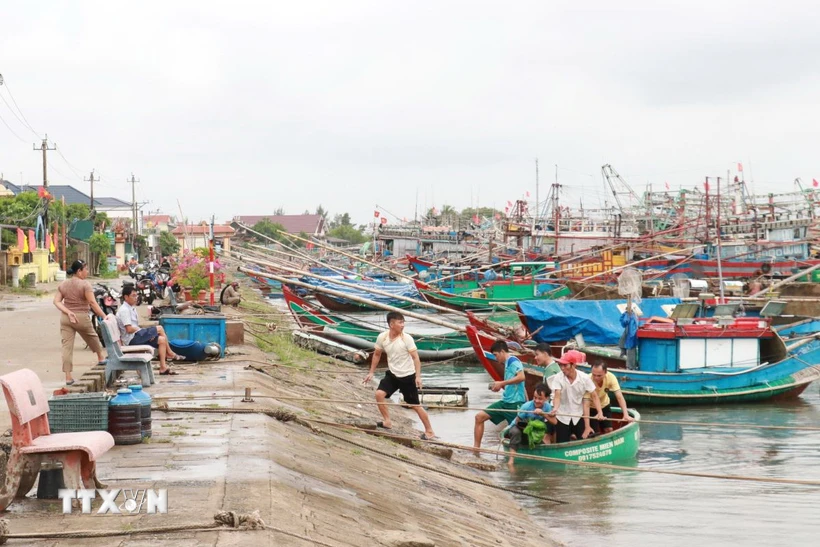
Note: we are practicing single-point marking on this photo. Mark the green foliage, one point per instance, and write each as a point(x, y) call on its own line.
point(100, 245)
point(168, 244)
point(279, 211)
point(141, 246)
point(273, 230)
point(202, 252)
point(101, 221)
point(340, 220)
point(348, 233)
point(19, 209)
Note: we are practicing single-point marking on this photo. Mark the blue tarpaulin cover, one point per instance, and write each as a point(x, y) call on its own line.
point(599, 321)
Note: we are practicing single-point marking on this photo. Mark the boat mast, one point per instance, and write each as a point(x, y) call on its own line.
point(719, 248)
point(534, 216)
point(555, 210)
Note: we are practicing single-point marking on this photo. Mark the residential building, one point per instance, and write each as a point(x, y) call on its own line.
point(312, 225)
point(191, 236)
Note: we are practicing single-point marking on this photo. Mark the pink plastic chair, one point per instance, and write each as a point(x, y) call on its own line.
point(33, 444)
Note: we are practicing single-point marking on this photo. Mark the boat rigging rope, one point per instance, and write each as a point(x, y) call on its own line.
point(446, 407)
point(224, 521)
point(286, 416)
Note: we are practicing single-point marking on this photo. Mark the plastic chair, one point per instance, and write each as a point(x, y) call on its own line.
point(33, 444)
point(117, 360)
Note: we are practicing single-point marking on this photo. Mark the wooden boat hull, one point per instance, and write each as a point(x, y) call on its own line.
point(464, 302)
point(341, 305)
point(620, 445)
point(314, 319)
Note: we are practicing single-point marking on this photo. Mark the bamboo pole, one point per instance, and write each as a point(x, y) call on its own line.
point(353, 286)
point(386, 307)
point(787, 280)
point(339, 251)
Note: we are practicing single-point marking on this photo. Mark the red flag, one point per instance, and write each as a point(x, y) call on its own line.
point(509, 204)
point(384, 220)
point(475, 219)
point(375, 214)
point(815, 183)
point(667, 185)
point(740, 167)
point(706, 185)
point(528, 193)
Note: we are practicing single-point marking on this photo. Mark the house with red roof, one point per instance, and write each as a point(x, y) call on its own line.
point(191, 236)
point(312, 225)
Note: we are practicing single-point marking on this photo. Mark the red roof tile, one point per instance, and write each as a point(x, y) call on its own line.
point(310, 224)
point(199, 229)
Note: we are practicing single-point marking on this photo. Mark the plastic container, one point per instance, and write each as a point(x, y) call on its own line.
point(199, 328)
point(125, 418)
point(78, 412)
point(145, 405)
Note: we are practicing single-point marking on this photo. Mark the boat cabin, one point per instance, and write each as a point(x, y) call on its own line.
point(721, 342)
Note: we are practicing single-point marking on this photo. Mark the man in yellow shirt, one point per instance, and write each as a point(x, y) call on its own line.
point(605, 383)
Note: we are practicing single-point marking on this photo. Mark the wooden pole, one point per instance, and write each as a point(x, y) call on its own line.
point(386, 307)
point(352, 285)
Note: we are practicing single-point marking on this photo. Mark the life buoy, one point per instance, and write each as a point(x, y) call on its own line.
point(765, 267)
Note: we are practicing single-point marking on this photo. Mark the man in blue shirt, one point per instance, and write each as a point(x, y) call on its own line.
point(513, 397)
point(536, 409)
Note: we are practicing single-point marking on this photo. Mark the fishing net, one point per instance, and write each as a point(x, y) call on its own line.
point(629, 284)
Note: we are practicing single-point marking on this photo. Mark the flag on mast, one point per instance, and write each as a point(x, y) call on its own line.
point(739, 167)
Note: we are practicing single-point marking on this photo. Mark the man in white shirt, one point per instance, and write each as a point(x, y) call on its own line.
point(403, 372)
point(132, 335)
point(573, 389)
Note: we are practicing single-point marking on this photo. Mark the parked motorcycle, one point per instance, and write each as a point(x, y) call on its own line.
point(109, 301)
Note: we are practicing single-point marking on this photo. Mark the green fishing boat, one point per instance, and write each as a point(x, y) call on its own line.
point(619, 445)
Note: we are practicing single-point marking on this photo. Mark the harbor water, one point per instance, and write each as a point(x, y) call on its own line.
point(623, 508)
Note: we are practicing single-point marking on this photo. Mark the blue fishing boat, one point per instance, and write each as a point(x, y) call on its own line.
point(683, 359)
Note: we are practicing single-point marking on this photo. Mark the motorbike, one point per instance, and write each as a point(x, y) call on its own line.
point(109, 301)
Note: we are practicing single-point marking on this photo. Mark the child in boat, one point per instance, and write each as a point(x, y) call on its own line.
point(530, 424)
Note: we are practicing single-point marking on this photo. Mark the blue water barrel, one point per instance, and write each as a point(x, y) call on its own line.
point(145, 405)
point(125, 418)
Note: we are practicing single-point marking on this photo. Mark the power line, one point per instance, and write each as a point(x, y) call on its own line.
point(24, 124)
point(18, 108)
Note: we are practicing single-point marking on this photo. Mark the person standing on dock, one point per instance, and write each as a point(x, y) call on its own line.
point(514, 394)
point(573, 389)
point(403, 372)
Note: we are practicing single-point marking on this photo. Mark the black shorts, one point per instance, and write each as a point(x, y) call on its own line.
point(564, 431)
point(605, 424)
point(390, 384)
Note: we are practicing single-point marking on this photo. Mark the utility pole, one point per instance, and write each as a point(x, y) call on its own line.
point(134, 229)
point(91, 179)
point(44, 147)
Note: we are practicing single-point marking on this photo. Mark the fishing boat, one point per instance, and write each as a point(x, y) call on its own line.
point(520, 282)
point(680, 361)
point(434, 345)
point(620, 444)
point(362, 289)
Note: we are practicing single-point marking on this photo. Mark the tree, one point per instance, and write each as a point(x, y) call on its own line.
point(168, 244)
point(321, 212)
point(348, 233)
point(100, 245)
point(273, 230)
point(340, 220)
point(101, 221)
point(279, 211)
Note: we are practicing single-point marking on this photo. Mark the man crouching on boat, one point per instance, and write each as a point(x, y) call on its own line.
point(572, 389)
point(403, 372)
point(531, 422)
point(514, 394)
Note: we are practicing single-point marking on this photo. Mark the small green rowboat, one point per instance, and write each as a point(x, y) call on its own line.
point(619, 445)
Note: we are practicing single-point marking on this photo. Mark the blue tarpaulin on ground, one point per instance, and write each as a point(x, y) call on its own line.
point(599, 321)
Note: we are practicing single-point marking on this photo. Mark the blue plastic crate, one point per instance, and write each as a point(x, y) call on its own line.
point(200, 328)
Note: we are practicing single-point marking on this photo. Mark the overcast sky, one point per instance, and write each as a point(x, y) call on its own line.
point(241, 108)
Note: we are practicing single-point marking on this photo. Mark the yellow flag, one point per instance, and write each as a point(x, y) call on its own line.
point(52, 248)
point(25, 245)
